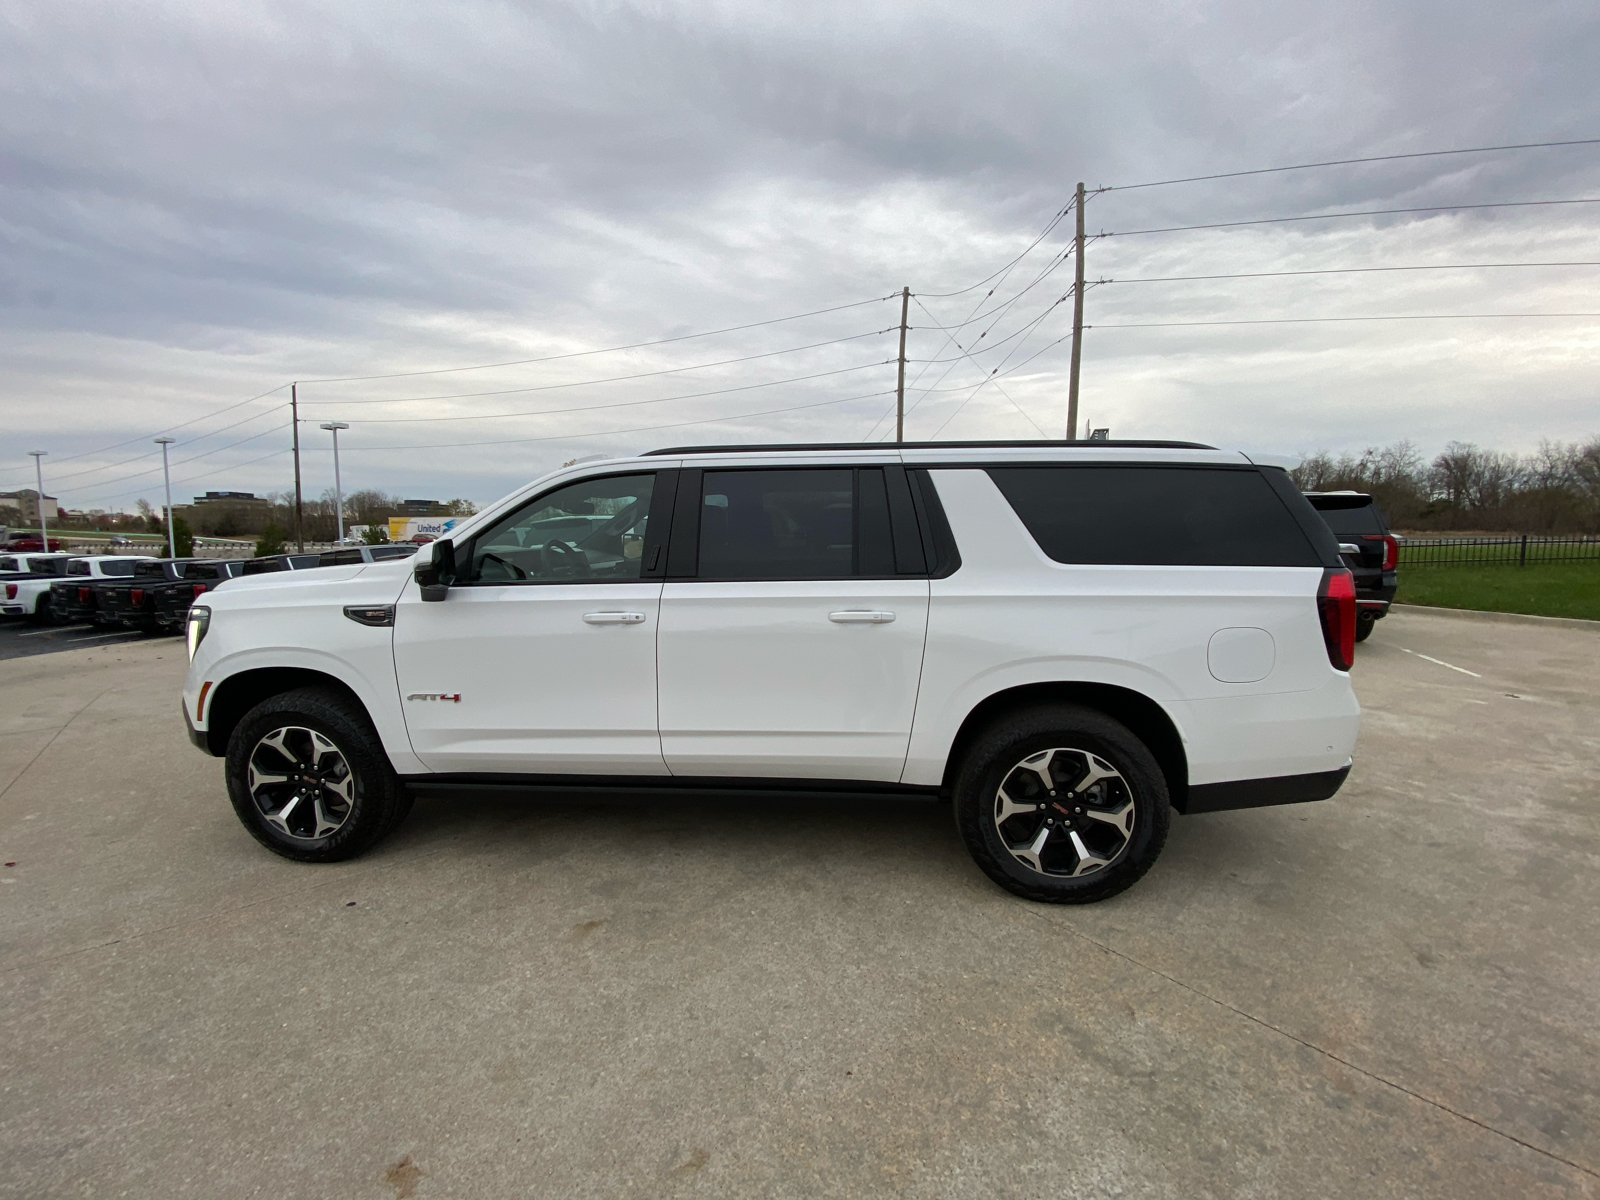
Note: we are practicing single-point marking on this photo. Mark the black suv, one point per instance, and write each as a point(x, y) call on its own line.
point(1367, 546)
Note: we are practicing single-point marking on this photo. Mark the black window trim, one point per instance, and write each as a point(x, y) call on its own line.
point(464, 553)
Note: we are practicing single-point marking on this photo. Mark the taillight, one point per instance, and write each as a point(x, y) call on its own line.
point(11, 591)
point(1391, 549)
point(136, 597)
point(1336, 604)
point(83, 595)
point(199, 590)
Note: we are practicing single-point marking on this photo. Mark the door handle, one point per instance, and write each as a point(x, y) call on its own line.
point(861, 617)
point(613, 618)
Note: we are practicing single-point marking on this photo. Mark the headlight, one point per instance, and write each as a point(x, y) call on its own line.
point(195, 632)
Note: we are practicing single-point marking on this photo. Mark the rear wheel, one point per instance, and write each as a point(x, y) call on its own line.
point(309, 778)
point(1062, 804)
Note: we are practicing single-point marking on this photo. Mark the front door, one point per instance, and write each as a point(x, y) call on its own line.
point(542, 658)
point(796, 649)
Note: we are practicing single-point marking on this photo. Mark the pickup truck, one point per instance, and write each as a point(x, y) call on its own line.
point(26, 582)
point(72, 597)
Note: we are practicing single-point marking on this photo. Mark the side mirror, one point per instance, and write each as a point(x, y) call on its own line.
point(435, 576)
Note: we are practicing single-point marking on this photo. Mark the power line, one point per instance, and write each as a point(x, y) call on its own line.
point(150, 453)
point(94, 487)
point(205, 475)
point(169, 428)
point(1009, 398)
point(1370, 212)
point(1056, 220)
point(1347, 271)
point(640, 429)
point(626, 403)
point(1346, 162)
point(551, 387)
point(607, 350)
point(1319, 320)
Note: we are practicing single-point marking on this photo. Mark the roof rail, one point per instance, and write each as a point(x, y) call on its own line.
point(1036, 443)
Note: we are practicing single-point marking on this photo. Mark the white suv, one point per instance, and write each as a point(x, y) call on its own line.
point(1065, 640)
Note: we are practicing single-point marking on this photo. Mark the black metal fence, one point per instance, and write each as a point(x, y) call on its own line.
point(1518, 551)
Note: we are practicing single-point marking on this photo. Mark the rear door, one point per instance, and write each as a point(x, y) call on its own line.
point(791, 634)
point(542, 658)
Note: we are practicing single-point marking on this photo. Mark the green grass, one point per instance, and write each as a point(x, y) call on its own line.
point(1551, 590)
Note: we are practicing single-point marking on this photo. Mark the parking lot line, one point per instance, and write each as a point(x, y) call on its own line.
point(114, 633)
point(1440, 661)
point(55, 629)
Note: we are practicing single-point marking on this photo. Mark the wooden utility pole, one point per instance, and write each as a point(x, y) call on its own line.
point(299, 518)
point(900, 386)
point(1077, 324)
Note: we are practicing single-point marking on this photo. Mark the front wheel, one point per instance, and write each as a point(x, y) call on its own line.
point(309, 778)
point(1062, 804)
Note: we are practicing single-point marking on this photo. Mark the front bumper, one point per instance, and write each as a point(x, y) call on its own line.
point(201, 740)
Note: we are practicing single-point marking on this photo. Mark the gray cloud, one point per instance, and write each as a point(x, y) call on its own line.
point(197, 204)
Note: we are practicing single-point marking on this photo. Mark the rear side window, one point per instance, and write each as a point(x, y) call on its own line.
point(1357, 521)
point(9, 564)
point(802, 523)
point(78, 566)
point(117, 568)
point(203, 571)
point(1133, 515)
point(149, 570)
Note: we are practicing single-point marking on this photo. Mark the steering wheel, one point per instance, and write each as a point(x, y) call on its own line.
point(519, 572)
point(561, 558)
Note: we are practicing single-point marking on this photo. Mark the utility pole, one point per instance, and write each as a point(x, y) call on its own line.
point(166, 475)
point(294, 407)
point(333, 427)
point(38, 475)
point(900, 386)
point(1077, 325)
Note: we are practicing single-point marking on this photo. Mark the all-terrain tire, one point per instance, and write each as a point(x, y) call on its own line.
point(1066, 744)
point(377, 802)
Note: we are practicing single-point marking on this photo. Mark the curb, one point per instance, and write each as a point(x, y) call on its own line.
point(1471, 614)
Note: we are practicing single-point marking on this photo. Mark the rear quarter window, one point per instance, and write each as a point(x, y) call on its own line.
point(1136, 515)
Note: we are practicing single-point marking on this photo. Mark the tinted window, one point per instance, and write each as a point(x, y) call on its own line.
point(795, 524)
point(590, 531)
point(9, 564)
point(204, 571)
point(1171, 516)
point(384, 553)
point(340, 558)
point(1346, 521)
point(149, 570)
point(77, 566)
point(116, 567)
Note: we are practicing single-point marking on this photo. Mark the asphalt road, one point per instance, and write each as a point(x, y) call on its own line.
point(1393, 993)
point(20, 638)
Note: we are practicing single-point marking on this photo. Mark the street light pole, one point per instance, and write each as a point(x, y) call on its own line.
point(166, 474)
point(38, 475)
point(333, 427)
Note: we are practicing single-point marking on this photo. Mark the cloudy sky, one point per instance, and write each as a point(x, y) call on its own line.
point(203, 202)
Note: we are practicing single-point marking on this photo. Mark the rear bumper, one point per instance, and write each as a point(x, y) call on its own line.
point(1262, 793)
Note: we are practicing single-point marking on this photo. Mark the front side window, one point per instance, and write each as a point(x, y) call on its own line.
point(805, 523)
point(586, 532)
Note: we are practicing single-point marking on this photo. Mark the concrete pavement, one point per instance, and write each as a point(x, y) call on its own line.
point(1390, 993)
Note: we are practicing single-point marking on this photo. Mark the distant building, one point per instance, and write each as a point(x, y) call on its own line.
point(226, 514)
point(422, 508)
point(22, 508)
